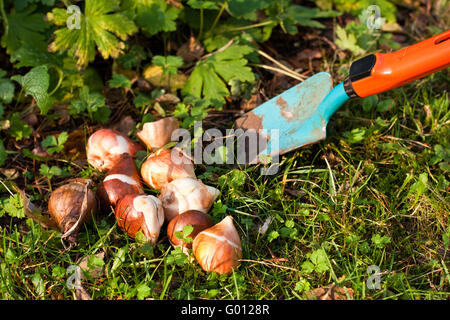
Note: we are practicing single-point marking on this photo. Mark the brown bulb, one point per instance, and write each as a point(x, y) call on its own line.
point(121, 180)
point(164, 166)
point(105, 146)
point(218, 248)
point(142, 212)
point(70, 206)
point(197, 219)
point(157, 134)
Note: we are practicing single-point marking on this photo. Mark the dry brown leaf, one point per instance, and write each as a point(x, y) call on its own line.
point(125, 125)
point(309, 54)
point(331, 292)
point(191, 50)
point(75, 147)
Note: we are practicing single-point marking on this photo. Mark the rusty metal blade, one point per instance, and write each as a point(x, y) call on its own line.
point(295, 118)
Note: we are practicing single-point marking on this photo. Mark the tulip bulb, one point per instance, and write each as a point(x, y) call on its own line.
point(142, 212)
point(197, 219)
point(164, 166)
point(218, 248)
point(185, 194)
point(70, 206)
point(157, 134)
point(121, 180)
point(105, 146)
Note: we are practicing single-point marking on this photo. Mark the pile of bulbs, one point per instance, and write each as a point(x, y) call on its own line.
point(183, 199)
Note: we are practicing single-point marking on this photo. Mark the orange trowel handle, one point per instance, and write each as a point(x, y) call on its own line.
point(381, 72)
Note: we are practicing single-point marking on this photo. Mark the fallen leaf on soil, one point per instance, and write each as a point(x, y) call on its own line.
point(254, 101)
point(331, 292)
point(168, 98)
point(75, 146)
point(125, 125)
point(191, 50)
point(154, 75)
point(309, 54)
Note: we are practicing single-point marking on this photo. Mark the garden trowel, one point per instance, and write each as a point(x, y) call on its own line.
point(299, 116)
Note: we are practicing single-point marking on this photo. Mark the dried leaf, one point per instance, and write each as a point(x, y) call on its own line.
point(331, 292)
point(191, 51)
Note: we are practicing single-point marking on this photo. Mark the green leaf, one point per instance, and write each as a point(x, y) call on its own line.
point(119, 258)
point(133, 57)
point(93, 103)
point(246, 8)
point(54, 144)
point(199, 4)
point(100, 26)
point(347, 41)
point(143, 291)
point(169, 64)
point(13, 206)
point(154, 16)
point(419, 187)
point(17, 128)
point(207, 79)
point(58, 271)
point(3, 154)
point(356, 135)
point(320, 260)
point(380, 241)
point(385, 105)
point(38, 283)
point(24, 27)
point(34, 55)
point(302, 285)
point(307, 267)
point(6, 88)
point(119, 81)
point(36, 83)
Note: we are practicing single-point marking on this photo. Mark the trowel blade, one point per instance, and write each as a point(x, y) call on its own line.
point(287, 121)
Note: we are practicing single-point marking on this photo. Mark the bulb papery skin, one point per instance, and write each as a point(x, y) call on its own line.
point(164, 166)
point(197, 219)
point(121, 180)
point(156, 134)
point(142, 212)
point(218, 249)
point(105, 147)
point(71, 205)
point(186, 194)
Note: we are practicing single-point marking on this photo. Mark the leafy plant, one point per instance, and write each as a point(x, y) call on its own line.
point(36, 84)
point(13, 206)
point(17, 128)
point(55, 144)
point(3, 154)
point(93, 103)
point(53, 171)
point(99, 25)
point(210, 77)
point(6, 89)
point(318, 262)
point(359, 39)
point(119, 81)
point(18, 33)
point(153, 16)
point(169, 64)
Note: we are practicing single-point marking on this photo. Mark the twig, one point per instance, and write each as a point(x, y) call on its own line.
point(290, 74)
point(229, 43)
point(269, 264)
point(282, 66)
